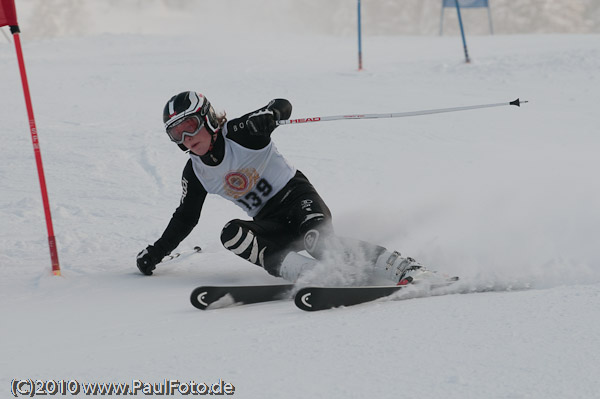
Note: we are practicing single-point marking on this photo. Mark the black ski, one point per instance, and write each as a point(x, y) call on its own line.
point(203, 297)
point(320, 298)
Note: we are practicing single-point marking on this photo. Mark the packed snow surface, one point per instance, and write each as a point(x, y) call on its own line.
point(506, 198)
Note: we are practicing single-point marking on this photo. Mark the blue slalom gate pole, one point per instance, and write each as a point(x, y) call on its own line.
point(359, 40)
point(462, 32)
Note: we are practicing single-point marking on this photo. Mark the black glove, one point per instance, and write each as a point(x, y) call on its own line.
point(263, 122)
point(148, 259)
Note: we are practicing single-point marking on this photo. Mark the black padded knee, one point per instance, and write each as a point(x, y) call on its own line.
point(230, 230)
point(239, 238)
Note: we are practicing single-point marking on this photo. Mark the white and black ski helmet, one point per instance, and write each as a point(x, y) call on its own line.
point(190, 103)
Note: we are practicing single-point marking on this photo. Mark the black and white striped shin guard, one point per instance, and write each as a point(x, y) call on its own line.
point(244, 244)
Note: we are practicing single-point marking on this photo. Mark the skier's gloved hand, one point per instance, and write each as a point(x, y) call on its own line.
point(281, 108)
point(262, 122)
point(148, 259)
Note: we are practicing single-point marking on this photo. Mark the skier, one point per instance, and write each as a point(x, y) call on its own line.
point(237, 160)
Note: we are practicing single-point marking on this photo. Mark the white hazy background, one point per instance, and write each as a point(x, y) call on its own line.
point(50, 18)
point(506, 198)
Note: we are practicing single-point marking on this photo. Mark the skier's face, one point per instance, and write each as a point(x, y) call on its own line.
point(199, 143)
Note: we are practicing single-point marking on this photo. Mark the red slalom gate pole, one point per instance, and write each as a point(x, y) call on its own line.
point(38, 154)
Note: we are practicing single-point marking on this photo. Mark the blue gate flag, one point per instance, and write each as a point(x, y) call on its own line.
point(466, 3)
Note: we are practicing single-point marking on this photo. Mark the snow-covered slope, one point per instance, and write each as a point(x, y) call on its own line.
point(502, 197)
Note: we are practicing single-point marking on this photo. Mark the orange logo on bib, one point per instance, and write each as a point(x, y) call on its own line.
point(240, 182)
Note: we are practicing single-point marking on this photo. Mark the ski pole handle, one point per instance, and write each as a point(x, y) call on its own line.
point(516, 102)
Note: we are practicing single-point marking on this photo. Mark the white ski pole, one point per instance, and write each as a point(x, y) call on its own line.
point(516, 102)
point(176, 255)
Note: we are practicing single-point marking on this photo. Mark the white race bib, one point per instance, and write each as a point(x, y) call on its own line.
point(247, 177)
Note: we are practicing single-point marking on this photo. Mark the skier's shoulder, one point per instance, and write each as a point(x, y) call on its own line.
point(236, 131)
point(188, 170)
point(190, 181)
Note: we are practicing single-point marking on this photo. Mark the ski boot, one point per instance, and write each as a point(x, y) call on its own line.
point(403, 271)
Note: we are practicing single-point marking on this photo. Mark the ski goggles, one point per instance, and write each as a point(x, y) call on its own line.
point(188, 126)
